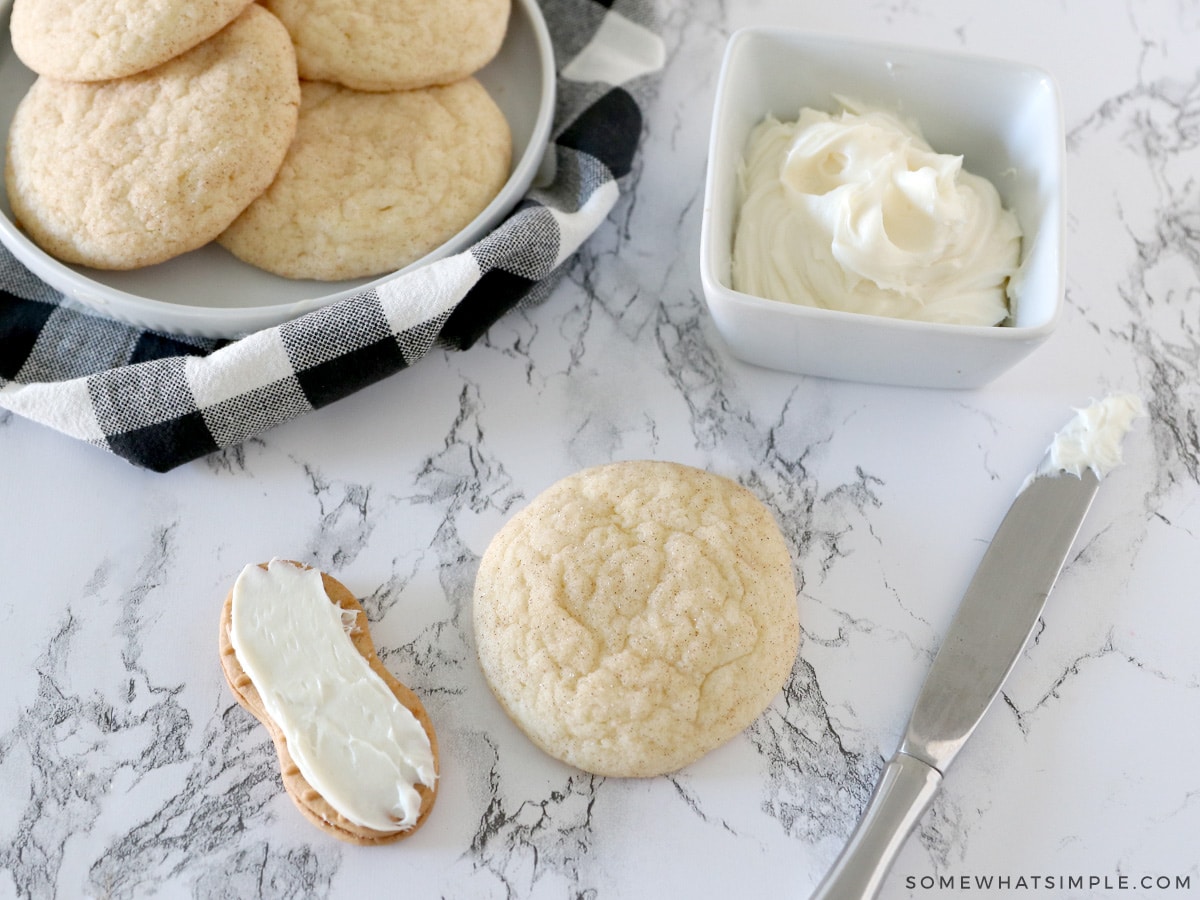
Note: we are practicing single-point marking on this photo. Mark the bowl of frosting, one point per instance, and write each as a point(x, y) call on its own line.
point(882, 213)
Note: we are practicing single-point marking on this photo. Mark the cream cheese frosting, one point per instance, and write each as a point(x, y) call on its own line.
point(1093, 439)
point(352, 740)
point(856, 212)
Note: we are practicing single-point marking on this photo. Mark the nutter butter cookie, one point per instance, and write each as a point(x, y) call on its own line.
point(357, 751)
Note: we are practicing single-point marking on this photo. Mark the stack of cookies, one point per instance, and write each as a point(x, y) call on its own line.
point(323, 139)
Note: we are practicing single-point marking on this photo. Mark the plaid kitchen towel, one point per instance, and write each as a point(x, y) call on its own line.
point(161, 400)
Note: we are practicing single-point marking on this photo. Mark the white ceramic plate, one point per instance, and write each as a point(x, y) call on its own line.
point(209, 292)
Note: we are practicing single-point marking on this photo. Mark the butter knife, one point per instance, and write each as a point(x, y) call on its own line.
point(993, 623)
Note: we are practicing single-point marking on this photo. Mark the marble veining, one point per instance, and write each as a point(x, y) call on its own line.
point(127, 770)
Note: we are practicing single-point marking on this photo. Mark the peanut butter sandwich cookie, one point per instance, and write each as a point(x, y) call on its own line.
point(133, 171)
point(356, 748)
point(637, 615)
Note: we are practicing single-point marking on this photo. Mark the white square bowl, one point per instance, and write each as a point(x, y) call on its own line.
point(1004, 118)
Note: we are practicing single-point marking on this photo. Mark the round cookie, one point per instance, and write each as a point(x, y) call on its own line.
point(391, 45)
point(374, 181)
point(130, 172)
point(92, 40)
point(636, 615)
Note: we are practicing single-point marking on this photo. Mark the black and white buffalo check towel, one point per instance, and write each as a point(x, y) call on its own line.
point(160, 400)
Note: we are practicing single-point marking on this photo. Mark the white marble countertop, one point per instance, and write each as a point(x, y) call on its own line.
point(127, 770)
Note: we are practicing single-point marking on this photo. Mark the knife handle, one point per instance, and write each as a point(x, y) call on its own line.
point(905, 790)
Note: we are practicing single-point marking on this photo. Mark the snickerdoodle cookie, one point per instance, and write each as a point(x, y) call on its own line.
point(636, 615)
point(375, 180)
point(389, 45)
point(91, 40)
point(133, 171)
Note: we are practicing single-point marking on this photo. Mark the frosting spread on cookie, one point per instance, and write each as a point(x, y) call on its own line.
point(352, 740)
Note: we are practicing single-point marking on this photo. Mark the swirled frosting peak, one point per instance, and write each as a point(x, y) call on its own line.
point(856, 212)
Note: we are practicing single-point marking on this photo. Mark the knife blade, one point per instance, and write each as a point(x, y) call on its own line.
point(993, 623)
